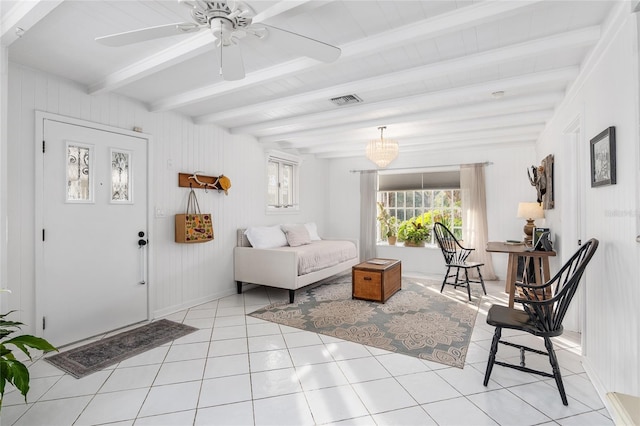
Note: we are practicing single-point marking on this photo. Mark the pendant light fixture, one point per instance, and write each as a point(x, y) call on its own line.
point(382, 151)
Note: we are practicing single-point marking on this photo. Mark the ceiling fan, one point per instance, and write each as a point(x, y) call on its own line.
point(229, 21)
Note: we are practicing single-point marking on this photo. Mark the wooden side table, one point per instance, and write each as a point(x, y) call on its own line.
point(376, 281)
point(540, 260)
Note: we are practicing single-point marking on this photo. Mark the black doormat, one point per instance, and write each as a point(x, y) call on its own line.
point(97, 355)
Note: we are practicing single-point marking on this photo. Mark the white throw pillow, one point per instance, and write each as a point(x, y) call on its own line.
point(313, 231)
point(266, 236)
point(297, 235)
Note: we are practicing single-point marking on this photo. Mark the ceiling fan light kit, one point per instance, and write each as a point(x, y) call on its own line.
point(229, 22)
point(382, 151)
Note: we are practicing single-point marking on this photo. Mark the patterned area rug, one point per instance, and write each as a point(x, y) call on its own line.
point(416, 321)
point(97, 355)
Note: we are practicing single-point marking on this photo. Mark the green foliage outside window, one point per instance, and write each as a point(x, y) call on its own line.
point(417, 211)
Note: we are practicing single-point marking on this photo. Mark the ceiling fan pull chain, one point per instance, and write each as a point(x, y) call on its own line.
point(221, 46)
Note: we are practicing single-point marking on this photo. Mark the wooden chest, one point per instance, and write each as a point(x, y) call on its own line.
point(376, 281)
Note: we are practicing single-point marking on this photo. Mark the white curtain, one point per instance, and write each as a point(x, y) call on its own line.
point(474, 216)
point(368, 190)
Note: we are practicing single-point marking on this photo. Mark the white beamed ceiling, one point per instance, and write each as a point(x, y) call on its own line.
point(425, 69)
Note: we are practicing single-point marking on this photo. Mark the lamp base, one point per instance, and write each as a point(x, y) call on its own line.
point(528, 232)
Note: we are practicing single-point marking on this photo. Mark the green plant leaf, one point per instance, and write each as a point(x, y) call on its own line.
point(12, 370)
point(17, 374)
point(26, 341)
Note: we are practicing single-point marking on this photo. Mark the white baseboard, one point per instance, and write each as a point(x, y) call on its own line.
point(597, 384)
point(191, 303)
point(626, 408)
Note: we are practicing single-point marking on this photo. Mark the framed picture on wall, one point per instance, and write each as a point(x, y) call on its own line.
point(603, 158)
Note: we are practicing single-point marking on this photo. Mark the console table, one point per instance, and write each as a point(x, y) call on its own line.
point(540, 260)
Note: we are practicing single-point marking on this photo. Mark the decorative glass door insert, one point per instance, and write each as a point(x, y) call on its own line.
point(121, 176)
point(79, 173)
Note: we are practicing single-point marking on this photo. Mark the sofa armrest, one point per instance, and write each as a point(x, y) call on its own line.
point(272, 267)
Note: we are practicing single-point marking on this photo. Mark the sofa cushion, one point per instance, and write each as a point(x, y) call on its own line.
point(313, 231)
point(266, 237)
point(297, 235)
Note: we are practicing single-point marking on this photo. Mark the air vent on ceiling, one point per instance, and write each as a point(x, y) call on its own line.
point(346, 100)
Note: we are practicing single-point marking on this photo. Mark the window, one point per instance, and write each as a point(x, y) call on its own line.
point(423, 198)
point(282, 182)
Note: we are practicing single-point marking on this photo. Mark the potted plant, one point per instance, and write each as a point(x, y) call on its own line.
point(12, 370)
point(414, 233)
point(388, 224)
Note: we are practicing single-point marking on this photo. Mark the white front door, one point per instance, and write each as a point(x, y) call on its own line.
point(94, 207)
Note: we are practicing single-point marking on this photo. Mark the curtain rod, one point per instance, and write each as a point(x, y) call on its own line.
point(486, 163)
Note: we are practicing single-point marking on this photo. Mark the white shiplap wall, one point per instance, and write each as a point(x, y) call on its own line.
point(606, 95)
point(181, 275)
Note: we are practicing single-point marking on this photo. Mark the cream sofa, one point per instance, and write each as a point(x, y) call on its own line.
point(281, 266)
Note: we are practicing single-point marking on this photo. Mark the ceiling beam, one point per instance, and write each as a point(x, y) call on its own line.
point(514, 143)
point(529, 81)
point(22, 16)
point(472, 112)
point(586, 36)
point(184, 50)
point(410, 129)
point(495, 123)
point(453, 136)
point(287, 8)
point(446, 23)
point(422, 114)
point(414, 143)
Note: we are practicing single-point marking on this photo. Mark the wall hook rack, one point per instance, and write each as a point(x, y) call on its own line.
point(200, 180)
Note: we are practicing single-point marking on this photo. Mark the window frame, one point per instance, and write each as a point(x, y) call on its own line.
point(384, 197)
point(283, 160)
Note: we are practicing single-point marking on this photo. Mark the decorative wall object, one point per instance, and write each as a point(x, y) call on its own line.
point(541, 178)
point(121, 177)
point(548, 199)
point(79, 173)
point(603, 158)
point(199, 180)
point(193, 226)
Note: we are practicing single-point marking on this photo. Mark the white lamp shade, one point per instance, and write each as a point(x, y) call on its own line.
point(530, 211)
point(382, 151)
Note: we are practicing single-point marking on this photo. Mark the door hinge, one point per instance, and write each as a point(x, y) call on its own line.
point(42, 234)
point(43, 146)
point(44, 323)
point(579, 242)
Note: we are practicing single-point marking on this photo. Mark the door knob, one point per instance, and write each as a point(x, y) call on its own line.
point(142, 243)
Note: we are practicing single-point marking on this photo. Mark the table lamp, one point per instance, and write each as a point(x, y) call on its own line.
point(530, 212)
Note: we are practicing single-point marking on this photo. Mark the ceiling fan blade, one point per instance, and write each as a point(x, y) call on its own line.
point(231, 63)
point(303, 45)
point(136, 36)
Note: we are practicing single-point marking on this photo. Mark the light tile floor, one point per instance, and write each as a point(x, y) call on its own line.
point(238, 370)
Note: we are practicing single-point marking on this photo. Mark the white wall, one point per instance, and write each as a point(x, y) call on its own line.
point(506, 182)
point(180, 275)
point(4, 88)
point(607, 95)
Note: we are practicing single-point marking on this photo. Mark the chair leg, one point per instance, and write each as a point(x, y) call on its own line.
point(481, 280)
point(466, 277)
point(446, 275)
point(556, 369)
point(457, 279)
point(492, 354)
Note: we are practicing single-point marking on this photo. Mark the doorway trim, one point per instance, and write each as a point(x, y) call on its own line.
point(40, 117)
point(574, 150)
